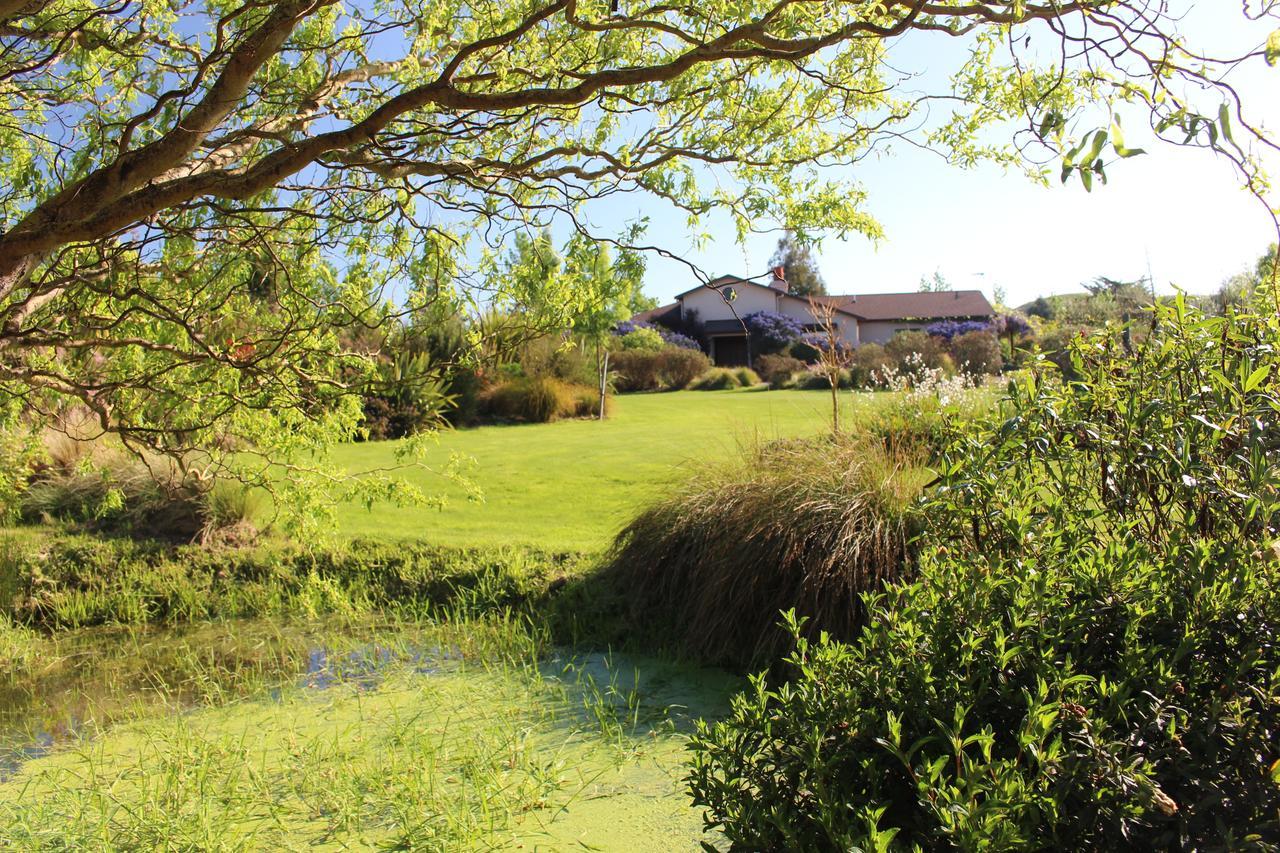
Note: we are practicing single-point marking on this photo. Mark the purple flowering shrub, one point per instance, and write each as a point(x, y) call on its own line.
point(772, 332)
point(1011, 325)
point(948, 329)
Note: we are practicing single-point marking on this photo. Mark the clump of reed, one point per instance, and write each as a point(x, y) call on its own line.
point(806, 525)
point(88, 479)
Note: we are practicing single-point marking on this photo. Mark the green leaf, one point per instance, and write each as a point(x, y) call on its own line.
point(1256, 377)
point(1048, 123)
point(1117, 141)
point(1273, 48)
point(1086, 178)
point(1099, 141)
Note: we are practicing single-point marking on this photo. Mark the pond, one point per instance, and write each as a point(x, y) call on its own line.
point(347, 734)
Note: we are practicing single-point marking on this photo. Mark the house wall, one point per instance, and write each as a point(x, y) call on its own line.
point(880, 331)
point(710, 305)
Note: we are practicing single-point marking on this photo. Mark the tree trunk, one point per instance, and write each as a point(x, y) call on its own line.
point(834, 379)
point(602, 359)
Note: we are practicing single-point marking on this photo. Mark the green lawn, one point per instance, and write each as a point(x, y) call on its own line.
point(573, 484)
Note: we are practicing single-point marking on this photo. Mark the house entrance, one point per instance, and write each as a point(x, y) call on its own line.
point(729, 350)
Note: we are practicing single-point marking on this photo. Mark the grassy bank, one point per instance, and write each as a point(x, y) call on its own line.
point(61, 581)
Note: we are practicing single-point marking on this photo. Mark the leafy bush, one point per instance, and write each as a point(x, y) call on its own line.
point(809, 525)
point(538, 399)
point(804, 349)
point(778, 369)
point(1087, 658)
point(771, 332)
point(915, 350)
point(670, 367)
point(747, 377)
point(635, 370)
point(977, 353)
point(407, 395)
point(716, 379)
point(867, 363)
point(1106, 701)
point(680, 366)
point(670, 337)
point(644, 339)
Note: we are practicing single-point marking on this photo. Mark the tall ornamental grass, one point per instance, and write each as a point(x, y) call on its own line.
point(809, 525)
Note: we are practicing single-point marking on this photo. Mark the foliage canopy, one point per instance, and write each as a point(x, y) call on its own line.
point(194, 194)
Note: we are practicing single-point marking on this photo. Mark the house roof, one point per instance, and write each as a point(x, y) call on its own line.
point(939, 305)
point(914, 306)
point(654, 315)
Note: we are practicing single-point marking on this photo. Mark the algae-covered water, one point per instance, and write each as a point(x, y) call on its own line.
point(249, 735)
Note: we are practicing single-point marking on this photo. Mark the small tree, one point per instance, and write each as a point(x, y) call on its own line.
point(935, 284)
point(610, 291)
point(833, 353)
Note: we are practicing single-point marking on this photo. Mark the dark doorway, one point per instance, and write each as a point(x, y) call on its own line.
point(729, 350)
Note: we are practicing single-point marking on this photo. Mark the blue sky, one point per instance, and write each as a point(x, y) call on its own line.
point(983, 228)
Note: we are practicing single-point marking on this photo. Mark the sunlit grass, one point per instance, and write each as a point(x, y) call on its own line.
point(573, 484)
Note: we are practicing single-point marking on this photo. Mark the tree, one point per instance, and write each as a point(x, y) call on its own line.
point(935, 284)
point(609, 292)
point(153, 155)
point(799, 267)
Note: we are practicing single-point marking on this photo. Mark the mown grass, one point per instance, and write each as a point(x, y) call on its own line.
point(572, 485)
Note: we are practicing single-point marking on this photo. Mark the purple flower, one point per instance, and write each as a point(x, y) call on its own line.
point(948, 329)
point(771, 331)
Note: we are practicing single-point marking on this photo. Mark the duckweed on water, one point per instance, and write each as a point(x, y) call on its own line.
point(425, 736)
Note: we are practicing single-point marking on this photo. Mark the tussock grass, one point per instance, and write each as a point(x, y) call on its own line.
point(809, 525)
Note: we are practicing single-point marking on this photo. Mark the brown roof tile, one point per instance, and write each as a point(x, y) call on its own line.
point(915, 306)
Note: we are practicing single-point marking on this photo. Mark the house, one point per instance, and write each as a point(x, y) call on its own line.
point(716, 308)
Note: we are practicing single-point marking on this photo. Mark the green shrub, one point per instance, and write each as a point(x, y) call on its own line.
point(121, 495)
point(1115, 700)
point(747, 377)
point(679, 366)
point(868, 364)
point(538, 399)
point(809, 525)
point(804, 351)
point(643, 339)
point(636, 370)
point(977, 353)
point(668, 368)
point(913, 351)
point(815, 380)
point(716, 379)
point(1087, 658)
point(777, 370)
